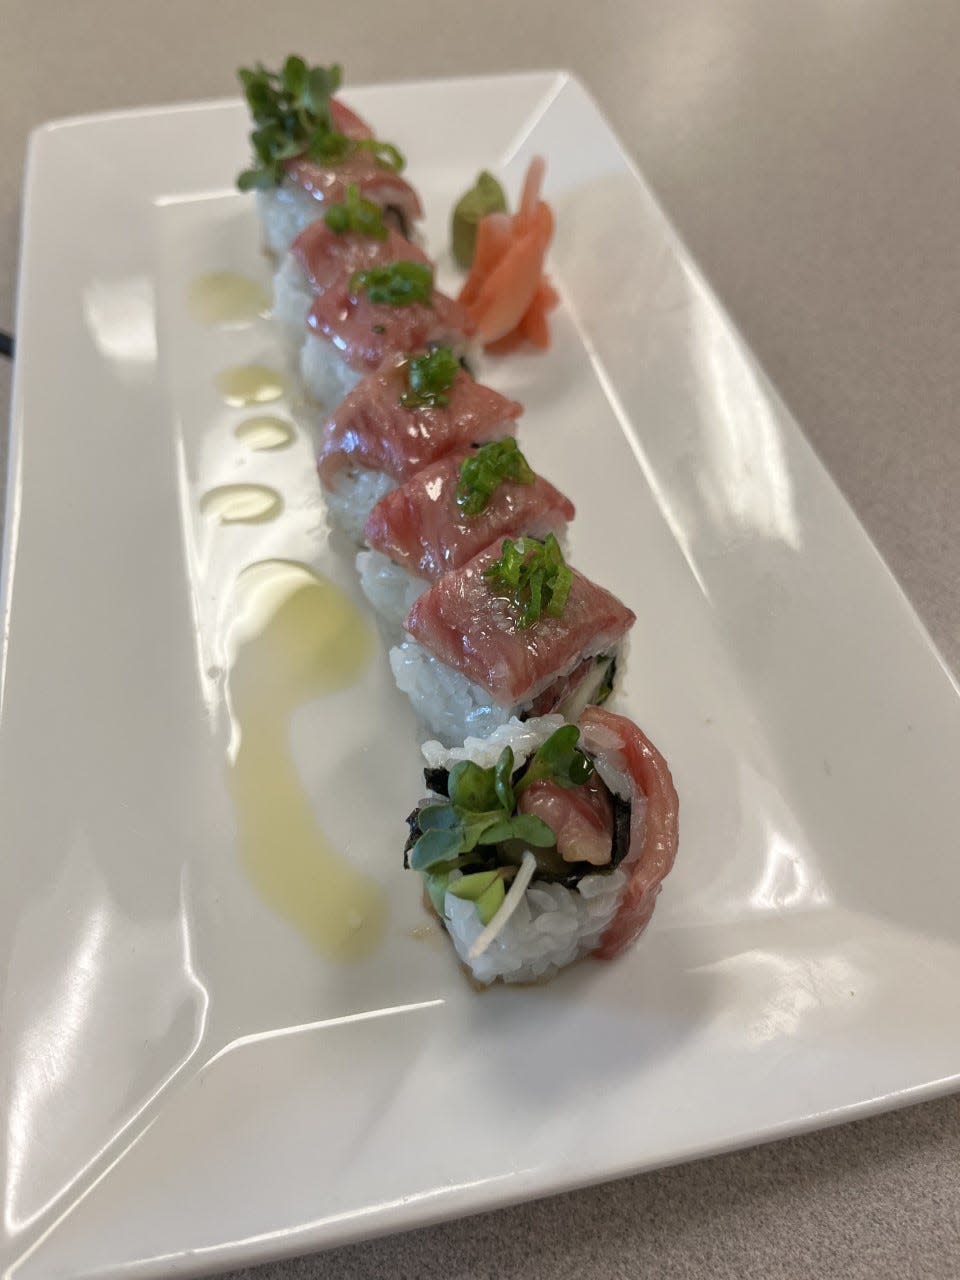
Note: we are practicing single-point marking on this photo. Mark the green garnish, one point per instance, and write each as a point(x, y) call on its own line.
point(480, 814)
point(485, 888)
point(558, 760)
point(291, 109)
point(485, 196)
point(486, 469)
point(355, 214)
point(397, 284)
point(429, 378)
point(386, 154)
point(533, 576)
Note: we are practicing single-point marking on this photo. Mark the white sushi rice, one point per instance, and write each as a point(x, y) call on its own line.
point(389, 587)
point(448, 704)
point(325, 374)
point(552, 925)
point(292, 300)
point(284, 211)
point(524, 736)
point(357, 492)
point(453, 708)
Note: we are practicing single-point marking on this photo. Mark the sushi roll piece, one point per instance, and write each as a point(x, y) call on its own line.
point(309, 146)
point(351, 236)
point(515, 632)
point(409, 413)
point(384, 309)
point(545, 842)
point(446, 514)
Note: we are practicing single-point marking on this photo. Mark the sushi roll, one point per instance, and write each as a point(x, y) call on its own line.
point(353, 292)
point(544, 842)
point(410, 412)
point(514, 632)
point(446, 514)
point(351, 236)
point(309, 146)
point(384, 310)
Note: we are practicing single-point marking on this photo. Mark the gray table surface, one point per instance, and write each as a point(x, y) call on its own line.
point(806, 149)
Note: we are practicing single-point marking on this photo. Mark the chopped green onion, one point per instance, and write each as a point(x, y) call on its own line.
point(398, 284)
point(355, 214)
point(485, 196)
point(482, 473)
point(533, 576)
point(429, 378)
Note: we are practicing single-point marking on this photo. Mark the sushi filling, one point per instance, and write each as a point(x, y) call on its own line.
point(501, 845)
point(455, 708)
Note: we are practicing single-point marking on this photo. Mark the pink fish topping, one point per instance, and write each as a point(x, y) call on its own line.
point(463, 623)
point(580, 817)
point(420, 526)
point(329, 258)
point(360, 168)
point(366, 332)
point(371, 428)
point(618, 748)
point(345, 120)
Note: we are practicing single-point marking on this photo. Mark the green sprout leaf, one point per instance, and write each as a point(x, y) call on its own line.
point(485, 888)
point(436, 883)
point(502, 775)
point(472, 788)
point(490, 901)
point(559, 760)
point(472, 886)
point(532, 830)
point(435, 846)
point(292, 114)
point(437, 817)
point(488, 467)
point(386, 154)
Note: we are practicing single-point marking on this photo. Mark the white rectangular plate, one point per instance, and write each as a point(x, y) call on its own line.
point(190, 1083)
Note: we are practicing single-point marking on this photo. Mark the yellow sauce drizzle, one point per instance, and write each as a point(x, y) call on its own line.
point(298, 637)
point(226, 300)
point(242, 504)
point(265, 432)
point(245, 384)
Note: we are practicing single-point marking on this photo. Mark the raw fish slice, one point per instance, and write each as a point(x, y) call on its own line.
point(376, 183)
point(328, 258)
point(475, 632)
point(421, 528)
point(618, 748)
point(372, 430)
point(365, 333)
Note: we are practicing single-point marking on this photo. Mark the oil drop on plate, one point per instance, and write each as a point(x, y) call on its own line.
point(226, 300)
point(297, 637)
point(265, 432)
point(241, 503)
point(246, 384)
